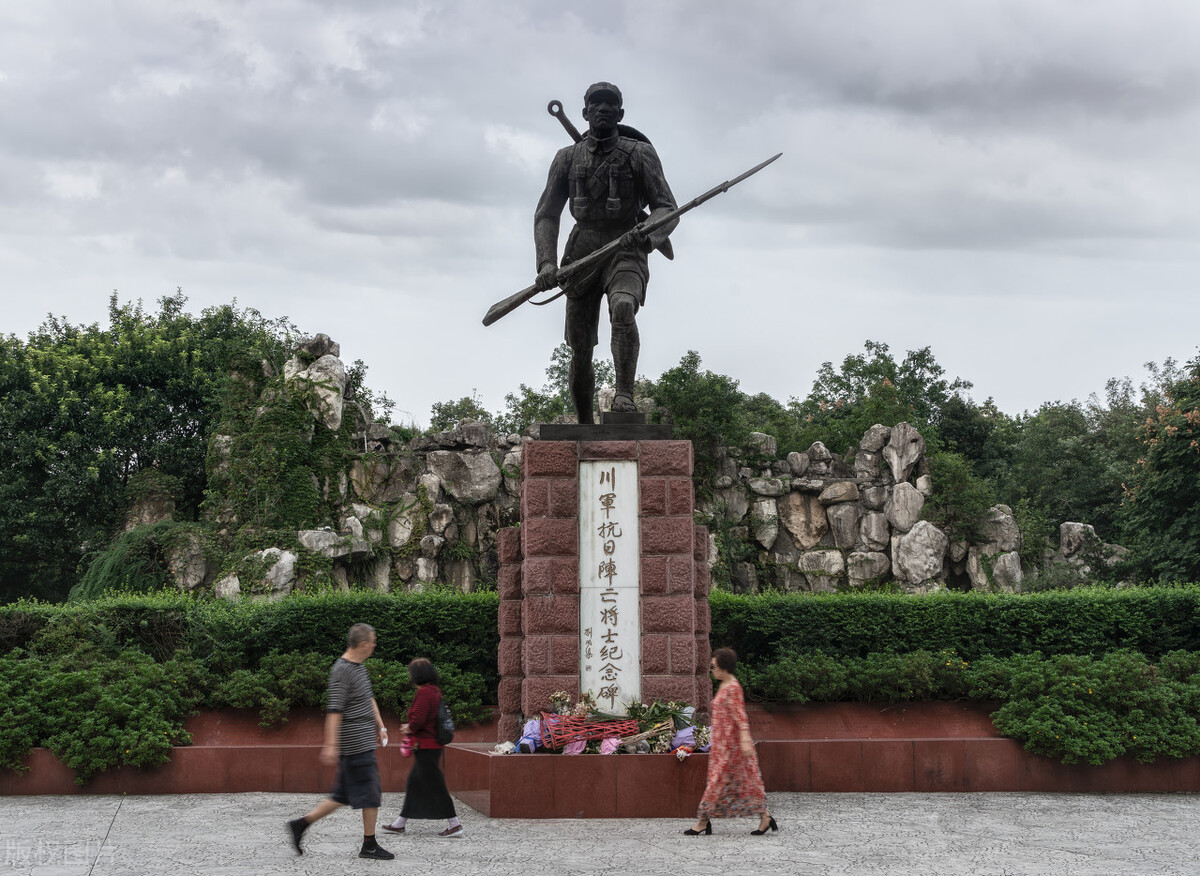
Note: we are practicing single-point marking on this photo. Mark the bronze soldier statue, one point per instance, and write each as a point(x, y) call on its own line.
point(608, 178)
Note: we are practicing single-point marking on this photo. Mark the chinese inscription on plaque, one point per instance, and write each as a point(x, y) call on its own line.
point(610, 623)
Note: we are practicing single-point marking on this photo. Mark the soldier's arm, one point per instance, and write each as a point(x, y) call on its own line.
point(655, 191)
point(549, 211)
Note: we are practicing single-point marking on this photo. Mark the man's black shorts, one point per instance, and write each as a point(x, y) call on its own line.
point(357, 782)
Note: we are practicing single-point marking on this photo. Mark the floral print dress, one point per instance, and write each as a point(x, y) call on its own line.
point(735, 787)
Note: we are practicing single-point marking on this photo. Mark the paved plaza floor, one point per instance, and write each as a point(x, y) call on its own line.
point(896, 834)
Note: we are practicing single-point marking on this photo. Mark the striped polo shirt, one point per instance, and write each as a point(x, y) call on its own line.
point(350, 693)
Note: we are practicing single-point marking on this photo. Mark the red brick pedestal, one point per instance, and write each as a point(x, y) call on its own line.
point(539, 579)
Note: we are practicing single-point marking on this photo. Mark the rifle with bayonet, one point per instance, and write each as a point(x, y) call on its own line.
point(511, 303)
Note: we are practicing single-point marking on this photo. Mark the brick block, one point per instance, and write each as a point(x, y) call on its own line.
point(508, 659)
point(535, 692)
point(509, 545)
point(535, 498)
point(683, 655)
point(662, 535)
point(665, 458)
point(544, 614)
point(509, 582)
point(700, 543)
point(509, 728)
point(608, 450)
point(703, 655)
point(680, 569)
point(703, 579)
point(564, 497)
point(656, 655)
point(550, 459)
point(508, 695)
point(681, 497)
point(535, 657)
point(703, 617)
point(654, 575)
point(510, 617)
point(669, 614)
point(552, 575)
point(668, 687)
point(652, 493)
point(564, 655)
point(549, 537)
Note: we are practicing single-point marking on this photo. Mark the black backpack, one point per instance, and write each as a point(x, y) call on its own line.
point(444, 731)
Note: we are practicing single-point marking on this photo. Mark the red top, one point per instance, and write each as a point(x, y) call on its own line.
point(422, 716)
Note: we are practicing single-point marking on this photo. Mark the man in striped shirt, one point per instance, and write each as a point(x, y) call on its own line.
point(352, 727)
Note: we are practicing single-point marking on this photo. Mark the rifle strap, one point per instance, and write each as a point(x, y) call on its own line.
point(559, 294)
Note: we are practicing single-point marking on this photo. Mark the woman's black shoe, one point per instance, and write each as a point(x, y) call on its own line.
point(771, 825)
point(707, 830)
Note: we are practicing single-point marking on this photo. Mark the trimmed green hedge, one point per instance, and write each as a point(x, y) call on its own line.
point(1090, 621)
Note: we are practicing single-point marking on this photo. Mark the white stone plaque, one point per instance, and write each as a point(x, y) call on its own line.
point(610, 642)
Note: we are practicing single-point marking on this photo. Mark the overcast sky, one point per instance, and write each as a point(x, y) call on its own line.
point(1014, 184)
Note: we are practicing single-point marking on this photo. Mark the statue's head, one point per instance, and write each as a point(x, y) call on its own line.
point(602, 88)
point(602, 107)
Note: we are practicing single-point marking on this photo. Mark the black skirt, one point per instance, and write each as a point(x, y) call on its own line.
point(425, 795)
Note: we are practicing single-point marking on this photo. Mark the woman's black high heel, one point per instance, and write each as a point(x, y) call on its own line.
point(771, 825)
point(707, 830)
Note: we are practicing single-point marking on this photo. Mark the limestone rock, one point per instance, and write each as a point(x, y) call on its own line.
point(311, 349)
point(228, 587)
point(404, 521)
point(873, 531)
point(919, 555)
point(427, 570)
point(469, 477)
point(383, 480)
point(843, 523)
point(327, 377)
point(875, 438)
point(1006, 571)
point(331, 544)
point(803, 515)
point(818, 452)
point(863, 566)
point(958, 550)
point(839, 491)
point(430, 545)
point(745, 578)
point(381, 575)
point(188, 564)
point(904, 450)
point(1072, 537)
point(823, 569)
point(999, 531)
point(281, 572)
point(866, 464)
point(432, 484)
point(764, 522)
point(767, 487)
point(439, 518)
point(874, 498)
point(925, 485)
point(762, 444)
point(904, 507)
point(352, 526)
point(798, 463)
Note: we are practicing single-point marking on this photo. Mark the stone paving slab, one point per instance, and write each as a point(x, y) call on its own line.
point(827, 834)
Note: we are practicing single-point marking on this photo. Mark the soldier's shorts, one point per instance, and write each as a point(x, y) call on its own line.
point(625, 272)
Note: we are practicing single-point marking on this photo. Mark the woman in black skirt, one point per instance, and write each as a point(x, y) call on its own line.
point(425, 796)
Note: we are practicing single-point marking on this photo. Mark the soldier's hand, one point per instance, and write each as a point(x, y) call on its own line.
point(635, 238)
point(547, 277)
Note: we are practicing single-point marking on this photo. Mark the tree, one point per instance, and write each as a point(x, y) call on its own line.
point(873, 388)
point(83, 409)
point(445, 415)
point(1160, 515)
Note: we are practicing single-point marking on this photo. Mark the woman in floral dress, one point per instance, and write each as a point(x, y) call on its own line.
point(735, 787)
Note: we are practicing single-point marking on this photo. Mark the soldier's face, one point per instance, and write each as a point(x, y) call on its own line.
point(603, 112)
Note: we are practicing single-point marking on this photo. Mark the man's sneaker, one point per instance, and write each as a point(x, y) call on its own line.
point(296, 828)
point(456, 831)
point(379, 853)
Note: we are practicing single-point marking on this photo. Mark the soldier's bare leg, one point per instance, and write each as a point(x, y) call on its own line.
point(582, 378)
point(626, 343)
